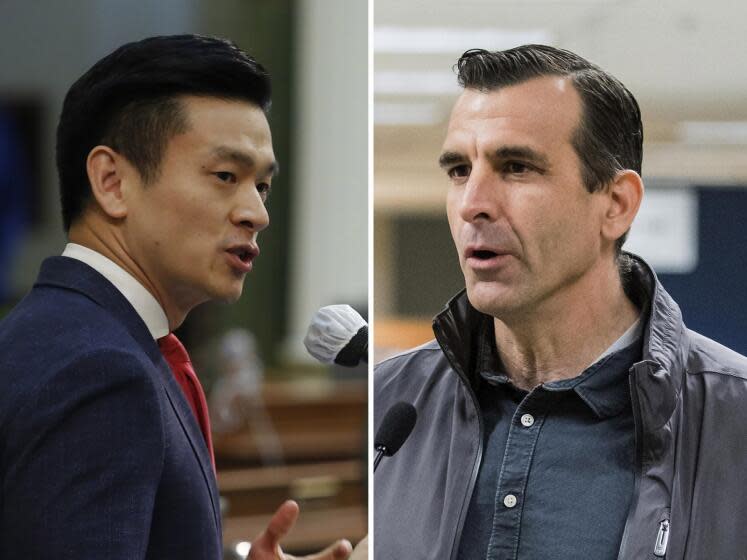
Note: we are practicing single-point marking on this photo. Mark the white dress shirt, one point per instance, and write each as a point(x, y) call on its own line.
point(140, 298)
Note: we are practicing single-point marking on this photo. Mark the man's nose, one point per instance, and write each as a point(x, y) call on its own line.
point(482, 195)
point(250, 211)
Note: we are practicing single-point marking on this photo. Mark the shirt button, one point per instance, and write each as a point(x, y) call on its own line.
point(527, 420)
point(509, 501)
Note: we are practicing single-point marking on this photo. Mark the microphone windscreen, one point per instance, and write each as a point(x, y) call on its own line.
point(395, 428)
point(354, 351)
point(331, 329)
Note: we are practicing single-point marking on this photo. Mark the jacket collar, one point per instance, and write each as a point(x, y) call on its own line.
point(665, 332)
point(72, 274)
point(458, 328)
point(138, 295)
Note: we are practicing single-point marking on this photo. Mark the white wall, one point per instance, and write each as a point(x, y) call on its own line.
point(329, 262)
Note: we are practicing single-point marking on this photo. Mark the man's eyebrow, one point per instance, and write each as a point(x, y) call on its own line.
point(521, 152)
point(243, 158)
point(448, 159)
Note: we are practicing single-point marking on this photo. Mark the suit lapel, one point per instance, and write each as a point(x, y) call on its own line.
point(71, 274)
point(189, 424)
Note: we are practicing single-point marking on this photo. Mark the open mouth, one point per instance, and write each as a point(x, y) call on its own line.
point(483, 255)
point(241, 257)
point(245, 255)
point(486, 259)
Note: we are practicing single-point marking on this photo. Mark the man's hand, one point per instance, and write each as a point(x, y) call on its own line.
point(361, 550)
point(267, 545)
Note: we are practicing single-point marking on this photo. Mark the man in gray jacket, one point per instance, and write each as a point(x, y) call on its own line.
point(564, 410)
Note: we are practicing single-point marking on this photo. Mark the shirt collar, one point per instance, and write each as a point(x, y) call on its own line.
point(603, 386)
point(146, 306)
point(633, 334)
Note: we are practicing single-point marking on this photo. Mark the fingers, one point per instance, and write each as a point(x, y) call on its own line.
point(279, 525)
point(361, 550)
point(339, 550)
point(267, 544)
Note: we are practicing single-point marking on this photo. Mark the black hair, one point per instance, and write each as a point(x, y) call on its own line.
point(609, 137)
point(129, 101)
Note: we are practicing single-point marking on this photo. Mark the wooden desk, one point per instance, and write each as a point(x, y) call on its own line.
point(322, 431)
point(314, 422)
point(315, 486)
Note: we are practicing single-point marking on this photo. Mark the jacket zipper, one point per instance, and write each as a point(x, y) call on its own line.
point(632, 382)
point(473, 476)
point(478, 460)
point(662, 539)
point(662, 535)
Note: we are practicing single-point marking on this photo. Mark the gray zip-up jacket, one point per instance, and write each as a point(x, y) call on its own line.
point(689, 397)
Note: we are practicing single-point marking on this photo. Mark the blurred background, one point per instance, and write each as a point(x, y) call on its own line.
point(285, 426)
point(686, 63)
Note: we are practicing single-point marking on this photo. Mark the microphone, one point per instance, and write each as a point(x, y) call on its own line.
point(338, 335)
point(395, 428)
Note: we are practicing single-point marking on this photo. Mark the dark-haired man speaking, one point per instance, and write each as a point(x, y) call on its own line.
point(564, 410)
point(165, 161)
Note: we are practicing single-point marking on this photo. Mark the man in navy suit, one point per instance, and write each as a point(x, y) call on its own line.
point(165, 162)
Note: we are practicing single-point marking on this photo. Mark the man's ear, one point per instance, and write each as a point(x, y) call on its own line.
point(106, 169)
point(624, 198)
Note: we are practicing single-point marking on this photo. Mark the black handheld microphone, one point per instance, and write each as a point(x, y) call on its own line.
point(395, 428)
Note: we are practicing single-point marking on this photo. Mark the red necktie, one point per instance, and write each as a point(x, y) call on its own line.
point(177, 357)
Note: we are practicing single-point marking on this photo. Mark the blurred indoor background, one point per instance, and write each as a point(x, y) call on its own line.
point(287, 427)
point(686, 63)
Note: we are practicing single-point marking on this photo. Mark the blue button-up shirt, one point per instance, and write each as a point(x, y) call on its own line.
point(556, 477)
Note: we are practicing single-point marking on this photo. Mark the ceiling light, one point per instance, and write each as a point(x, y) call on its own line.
point(450, 40)
point(423, 114)
point(399, 82)
point(714, 132)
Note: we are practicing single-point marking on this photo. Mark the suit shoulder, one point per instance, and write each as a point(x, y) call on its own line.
point(708, 356)
point(57, 314)
point(51, 327)
point(98, 373)
point(66, 343)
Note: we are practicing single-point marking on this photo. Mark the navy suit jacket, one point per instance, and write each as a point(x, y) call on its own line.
point(100, 453)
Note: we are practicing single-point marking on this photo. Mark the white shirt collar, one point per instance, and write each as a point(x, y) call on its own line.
point(634, 332)
point(140, 298)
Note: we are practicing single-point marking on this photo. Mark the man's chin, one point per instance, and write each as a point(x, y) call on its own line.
point(229, 294)
point(492, 298)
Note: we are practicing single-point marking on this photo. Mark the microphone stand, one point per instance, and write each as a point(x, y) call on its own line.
point(380, 452)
